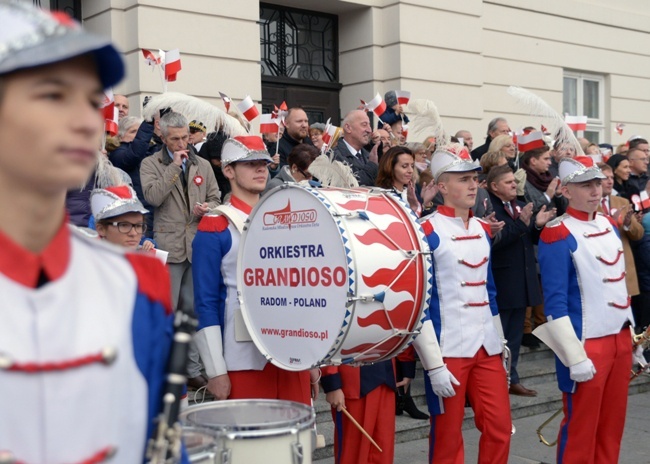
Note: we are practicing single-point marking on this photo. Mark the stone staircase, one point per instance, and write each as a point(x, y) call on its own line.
point(536, 370)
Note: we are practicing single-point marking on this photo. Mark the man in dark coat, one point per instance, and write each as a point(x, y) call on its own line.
point(350, 150)
point(513, 262)
point(296, 131)
point(498, 126)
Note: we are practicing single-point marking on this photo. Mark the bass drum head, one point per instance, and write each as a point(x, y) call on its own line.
point(250, 418)
point(293, 278)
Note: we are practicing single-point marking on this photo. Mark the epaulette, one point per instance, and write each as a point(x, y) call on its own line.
point(213, 223)
point(555, 230)
point(486, 226)
point(153, 279)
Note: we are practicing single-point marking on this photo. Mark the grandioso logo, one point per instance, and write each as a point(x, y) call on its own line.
point(287, 217)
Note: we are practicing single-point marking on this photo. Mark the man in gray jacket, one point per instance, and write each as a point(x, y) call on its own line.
point(181, 187)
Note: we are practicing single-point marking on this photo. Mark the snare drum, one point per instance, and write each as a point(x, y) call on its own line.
point(201, 445)
point(256, 431)
point(332, 276)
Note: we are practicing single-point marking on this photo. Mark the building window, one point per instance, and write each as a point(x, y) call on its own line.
point(298, 44)
point(584, 95)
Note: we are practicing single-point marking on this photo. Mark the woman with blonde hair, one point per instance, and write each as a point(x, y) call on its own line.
point(504, 144)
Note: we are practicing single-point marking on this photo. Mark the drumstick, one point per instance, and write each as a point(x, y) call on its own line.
point(361, 429)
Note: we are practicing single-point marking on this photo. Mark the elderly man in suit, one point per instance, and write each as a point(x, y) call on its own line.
point(357, 130)
point(513, 262)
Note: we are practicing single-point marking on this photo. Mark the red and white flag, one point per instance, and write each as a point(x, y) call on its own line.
point(248, 108)
point(405, 131)
point(403, 96)
point(377, 105)
point(110, 113)
point(327, 136)
point(226, 101)
point(280, 113)
point(268, 124)
point(545, 130)
point(576, 123)
point(150, 58)
point(619, 128)
point(530, 141)
point(172, 64)
point(645, 200)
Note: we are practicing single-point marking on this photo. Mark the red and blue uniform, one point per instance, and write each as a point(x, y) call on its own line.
point(583, 278)
point(85, 334)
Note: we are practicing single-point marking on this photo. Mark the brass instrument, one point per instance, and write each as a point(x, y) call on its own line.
point(642, 339)
point(506, 358)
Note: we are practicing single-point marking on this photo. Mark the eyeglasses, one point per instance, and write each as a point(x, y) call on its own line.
point(125, 227)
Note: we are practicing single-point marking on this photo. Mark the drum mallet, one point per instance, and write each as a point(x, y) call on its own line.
point(361, 429)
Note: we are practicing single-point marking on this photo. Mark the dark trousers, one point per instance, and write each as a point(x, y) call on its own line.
point(512, 320)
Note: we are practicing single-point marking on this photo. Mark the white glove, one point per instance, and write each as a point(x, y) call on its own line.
point(441, 381)
point(582, 371)
point(637, 356)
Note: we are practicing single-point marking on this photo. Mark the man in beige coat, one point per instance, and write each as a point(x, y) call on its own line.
point(181, 187)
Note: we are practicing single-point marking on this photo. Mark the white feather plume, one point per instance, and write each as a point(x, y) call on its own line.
point(536, 106)
point(195, 108)
point(425, 122)
point(332, 173)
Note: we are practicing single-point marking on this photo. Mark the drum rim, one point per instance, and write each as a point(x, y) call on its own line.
point(232, 431)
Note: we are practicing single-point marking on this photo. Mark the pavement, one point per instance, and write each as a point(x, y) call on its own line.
point(525, 447)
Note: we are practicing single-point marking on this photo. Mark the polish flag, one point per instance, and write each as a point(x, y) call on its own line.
point(226, 101)
point(545, 130)
point(281, 112)
point(530, 141)
point(405, 131)
point(328, 134)
point(403, 96)
point(576, 123)
point(268, 124)
point(150, 58)
point(248, 108)
point(172, 64)
point(110, 113)
point(645, 200)
point(377, 105)
point(619, 128)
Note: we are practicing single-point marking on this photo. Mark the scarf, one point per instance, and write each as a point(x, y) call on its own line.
point(539, 181)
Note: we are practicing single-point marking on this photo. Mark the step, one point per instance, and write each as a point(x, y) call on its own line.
point(548, 400)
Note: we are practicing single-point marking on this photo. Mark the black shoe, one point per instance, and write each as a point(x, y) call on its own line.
point(411, 409)
point(530, 340)
point(399, 404)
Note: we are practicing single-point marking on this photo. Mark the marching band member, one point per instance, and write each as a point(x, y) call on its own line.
point(235, 367)
point(588, 311)
point(85, 329)
point(466, 320)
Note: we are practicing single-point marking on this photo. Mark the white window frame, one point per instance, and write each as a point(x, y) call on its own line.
point(593, 124)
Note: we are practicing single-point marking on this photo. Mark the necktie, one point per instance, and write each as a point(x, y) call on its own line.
point(605, 206)
point(509, 208)
point(360, 157)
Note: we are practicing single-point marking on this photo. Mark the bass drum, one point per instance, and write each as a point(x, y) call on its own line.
point(332, 276)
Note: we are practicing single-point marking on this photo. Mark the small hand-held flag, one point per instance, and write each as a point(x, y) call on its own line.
point(268, 124)
point(110, 113)
point(226, 101)
point(619, 128)
point(172, 64)
point(248, 108)
point(377, 105)
point(527, 141)
point(150, 58)
point(403, 96)
point(576, 123)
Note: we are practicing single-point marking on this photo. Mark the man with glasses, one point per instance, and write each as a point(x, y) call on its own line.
point(638, 158)
point(181, 187)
